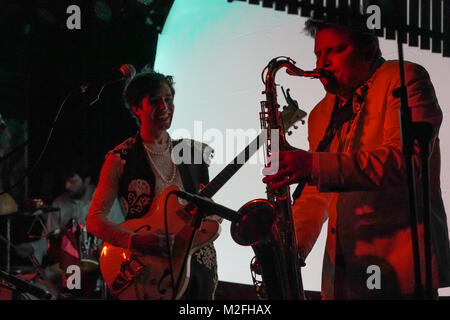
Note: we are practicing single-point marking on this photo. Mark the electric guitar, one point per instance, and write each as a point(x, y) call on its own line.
point(134, 276)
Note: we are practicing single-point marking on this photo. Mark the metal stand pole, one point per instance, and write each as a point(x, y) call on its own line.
point(8, 245)
point(422, 132)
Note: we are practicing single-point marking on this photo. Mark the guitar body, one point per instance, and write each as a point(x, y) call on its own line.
point(135, 276)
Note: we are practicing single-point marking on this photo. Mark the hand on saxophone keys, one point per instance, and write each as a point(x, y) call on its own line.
point(287, 167)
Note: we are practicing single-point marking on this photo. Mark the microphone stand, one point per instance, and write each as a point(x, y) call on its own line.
point(196, 222)
point(422, 132)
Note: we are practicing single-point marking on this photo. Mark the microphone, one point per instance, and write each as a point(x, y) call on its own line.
point(210, 206)
point(126, 71)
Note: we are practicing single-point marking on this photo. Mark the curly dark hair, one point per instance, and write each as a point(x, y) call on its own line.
point(142, 85)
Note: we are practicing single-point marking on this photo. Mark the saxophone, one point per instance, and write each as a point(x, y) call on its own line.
point(267, 224)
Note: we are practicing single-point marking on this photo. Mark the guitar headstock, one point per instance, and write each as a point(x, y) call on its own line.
point(291, 113)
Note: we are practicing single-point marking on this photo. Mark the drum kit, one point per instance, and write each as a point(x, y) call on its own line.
point(72, 245)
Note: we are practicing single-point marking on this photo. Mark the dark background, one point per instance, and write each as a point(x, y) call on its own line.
point(41, 62)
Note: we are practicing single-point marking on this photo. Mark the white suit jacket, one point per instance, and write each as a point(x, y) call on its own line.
point(361, 188)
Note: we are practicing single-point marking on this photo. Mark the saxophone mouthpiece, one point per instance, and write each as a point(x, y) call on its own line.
point(316, 73)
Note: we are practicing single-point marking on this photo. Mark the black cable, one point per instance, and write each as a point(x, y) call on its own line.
point(81, 90)
point(169, 251)
point(186, 255)
point(33, 167)
point(14, 150)
point(185, 258)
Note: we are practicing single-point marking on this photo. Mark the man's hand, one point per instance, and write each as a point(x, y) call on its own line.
point(292, 166)
point(152, 243)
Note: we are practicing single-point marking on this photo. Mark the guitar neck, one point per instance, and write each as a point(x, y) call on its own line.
point(219, 181)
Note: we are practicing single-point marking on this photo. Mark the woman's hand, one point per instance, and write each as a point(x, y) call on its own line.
point(154, 243)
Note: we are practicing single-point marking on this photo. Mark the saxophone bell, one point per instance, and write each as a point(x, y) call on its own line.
point(255, 223)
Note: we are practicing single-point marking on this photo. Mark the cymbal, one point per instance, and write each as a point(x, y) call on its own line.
point(7, 205)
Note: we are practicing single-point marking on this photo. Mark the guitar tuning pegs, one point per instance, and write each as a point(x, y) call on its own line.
point(303, 121)
point(289, 133)
point(295, 127)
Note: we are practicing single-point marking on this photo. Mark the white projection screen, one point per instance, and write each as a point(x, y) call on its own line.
point(216, 52)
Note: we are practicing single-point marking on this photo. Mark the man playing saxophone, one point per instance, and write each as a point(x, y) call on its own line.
point(358, 179)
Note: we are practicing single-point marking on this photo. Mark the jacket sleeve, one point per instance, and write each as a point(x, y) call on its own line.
point(382, 167)
point(97, 222)
point(310, 210)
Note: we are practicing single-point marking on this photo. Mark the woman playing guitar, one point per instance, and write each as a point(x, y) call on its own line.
point(140, 171)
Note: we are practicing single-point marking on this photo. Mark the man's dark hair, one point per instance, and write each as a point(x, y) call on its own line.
point(360, 36)
point(142, 85)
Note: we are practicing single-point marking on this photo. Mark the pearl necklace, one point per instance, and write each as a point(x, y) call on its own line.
point(169, 146)
point(173, 169)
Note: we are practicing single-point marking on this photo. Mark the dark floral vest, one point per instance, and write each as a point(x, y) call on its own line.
point(136, 193)
point(137, 182)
